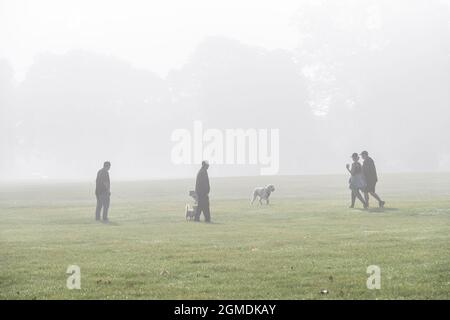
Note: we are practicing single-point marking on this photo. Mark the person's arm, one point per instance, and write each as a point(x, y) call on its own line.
point(103, 182)
point(374, 171)
point(353, 169)
point(208, 188)
point(107, 183)
point(369, 170)
point(202, 184)
point(348, 169)
point(197, 184)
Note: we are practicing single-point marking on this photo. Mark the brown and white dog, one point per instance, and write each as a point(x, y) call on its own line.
point(263, 193)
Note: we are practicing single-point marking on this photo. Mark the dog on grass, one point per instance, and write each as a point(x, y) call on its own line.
point(190, 212)
point(263, 193)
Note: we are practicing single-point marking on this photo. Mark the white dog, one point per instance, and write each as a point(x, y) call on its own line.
point(263, 193)
point(190, 212)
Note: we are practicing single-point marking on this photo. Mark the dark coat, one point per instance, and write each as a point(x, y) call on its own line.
point(202, 183)
point(102, 183)
point(369, 171)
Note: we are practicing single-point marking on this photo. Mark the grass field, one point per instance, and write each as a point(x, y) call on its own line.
point(305, 241)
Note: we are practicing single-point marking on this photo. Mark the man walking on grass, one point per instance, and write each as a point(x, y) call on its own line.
point(202, 190)
point(370, 175)
point(102, 192)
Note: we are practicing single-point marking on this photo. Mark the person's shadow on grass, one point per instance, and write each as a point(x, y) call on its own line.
point(210, 223)
point(110, 223)
point(378, 210)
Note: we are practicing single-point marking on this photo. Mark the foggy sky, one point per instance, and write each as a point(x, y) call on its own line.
point(156, 35)
point(83, 82)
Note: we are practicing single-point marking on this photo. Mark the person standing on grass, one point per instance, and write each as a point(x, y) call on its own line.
point(102, 192)
point(202, 189)
point(356, 181)
point(370, 175)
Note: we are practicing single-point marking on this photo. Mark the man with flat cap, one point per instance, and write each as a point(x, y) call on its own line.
point(370, 175)
point(202, 190)
point(102, 192)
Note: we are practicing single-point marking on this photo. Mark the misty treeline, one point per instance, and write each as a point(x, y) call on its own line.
point(366, 75)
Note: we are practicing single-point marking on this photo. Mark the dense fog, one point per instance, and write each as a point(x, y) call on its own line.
point(347, 76)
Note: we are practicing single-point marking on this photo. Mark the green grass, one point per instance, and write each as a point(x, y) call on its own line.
point(305, 241)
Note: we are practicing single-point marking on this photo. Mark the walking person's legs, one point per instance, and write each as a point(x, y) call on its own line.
point(98, 208)
point(106, 202)
point(366, 197)
point(198, 211)
point(203, 206)
point(380, 202)
point(206, 211)
point(371, 190)
point(353, 199)
point(360, 198)
point(375, 195)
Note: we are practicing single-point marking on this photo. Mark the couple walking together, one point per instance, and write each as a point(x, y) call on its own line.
point(363, 178)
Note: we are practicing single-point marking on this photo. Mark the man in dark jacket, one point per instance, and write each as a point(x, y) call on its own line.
point(102, 192)
point(202, 189)
point(370, 175)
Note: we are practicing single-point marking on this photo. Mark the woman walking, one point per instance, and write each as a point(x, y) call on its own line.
point(356, 181)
